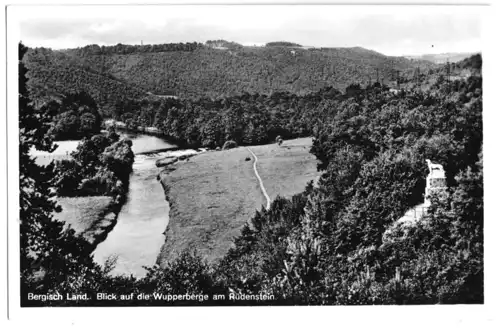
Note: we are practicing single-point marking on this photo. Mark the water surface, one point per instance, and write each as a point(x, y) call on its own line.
point(138, 235)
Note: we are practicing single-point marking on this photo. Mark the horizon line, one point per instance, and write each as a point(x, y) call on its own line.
point(262, 45)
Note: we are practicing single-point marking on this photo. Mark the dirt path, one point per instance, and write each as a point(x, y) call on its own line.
point(260, 180)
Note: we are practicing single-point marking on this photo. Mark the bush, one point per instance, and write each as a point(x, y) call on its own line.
point(229, 144)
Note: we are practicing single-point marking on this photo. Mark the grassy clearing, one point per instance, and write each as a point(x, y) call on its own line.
point(46, 159)
point(88, 216)
point(286, 170)
point(215, 193)
point(211, 197)
point(63, 151)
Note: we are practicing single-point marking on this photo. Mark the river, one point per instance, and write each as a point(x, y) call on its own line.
point(137, 237)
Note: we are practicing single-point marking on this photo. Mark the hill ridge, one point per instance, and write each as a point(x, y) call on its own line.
point(194, 70)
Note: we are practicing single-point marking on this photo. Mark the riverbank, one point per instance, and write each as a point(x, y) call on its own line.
point(213, 194)
point(145, 130)
point(136, 239)
point(95, 218)
point(92, 217)
point(90, 210)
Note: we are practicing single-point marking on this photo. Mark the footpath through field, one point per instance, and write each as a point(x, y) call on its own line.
point(260, 180)
point(214, 194)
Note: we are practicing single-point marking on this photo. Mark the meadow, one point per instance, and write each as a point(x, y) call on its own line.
point(213, 194)
point(90, 217)
point(286, 170)
point(64, 148)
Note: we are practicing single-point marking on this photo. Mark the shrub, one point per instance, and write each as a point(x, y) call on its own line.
point(229, 144)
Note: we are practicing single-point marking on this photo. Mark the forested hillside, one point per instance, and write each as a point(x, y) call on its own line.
point(259, 118)
point(214, 70)
point(247, 119)
point(340, 243)
point(53, 74)
point(442, 58)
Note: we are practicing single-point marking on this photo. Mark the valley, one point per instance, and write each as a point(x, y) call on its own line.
point(271, 170)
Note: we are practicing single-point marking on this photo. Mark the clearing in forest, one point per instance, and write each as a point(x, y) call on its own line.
point(214, 193)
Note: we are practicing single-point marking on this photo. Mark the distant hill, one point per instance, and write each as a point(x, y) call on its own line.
point(53, 74)
point(452, 57)
point(222, 44)
point(216, 69)
point(282, 44)
point(463, 69)
point(474, 62)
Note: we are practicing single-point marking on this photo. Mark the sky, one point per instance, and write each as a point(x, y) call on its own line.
point(391, 30)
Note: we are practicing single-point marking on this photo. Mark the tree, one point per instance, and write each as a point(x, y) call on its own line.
point(66, 126)
point(118, 158)
point(77, 116)
point(88, 124)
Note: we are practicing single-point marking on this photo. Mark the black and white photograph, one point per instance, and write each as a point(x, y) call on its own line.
point(246, 155)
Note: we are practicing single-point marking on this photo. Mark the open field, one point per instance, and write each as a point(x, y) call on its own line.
point(89, 216)
point(286, 170)
point(64, 148)
point(46, 159)
point(211, 197)
point(215, 193)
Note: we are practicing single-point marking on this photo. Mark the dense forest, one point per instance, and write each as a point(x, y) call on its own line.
point(258, 118)
point(339, 243)
point(335, 243)
point(53, 75)
point(247, 119)
point(216, 69)
point(124, 49)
